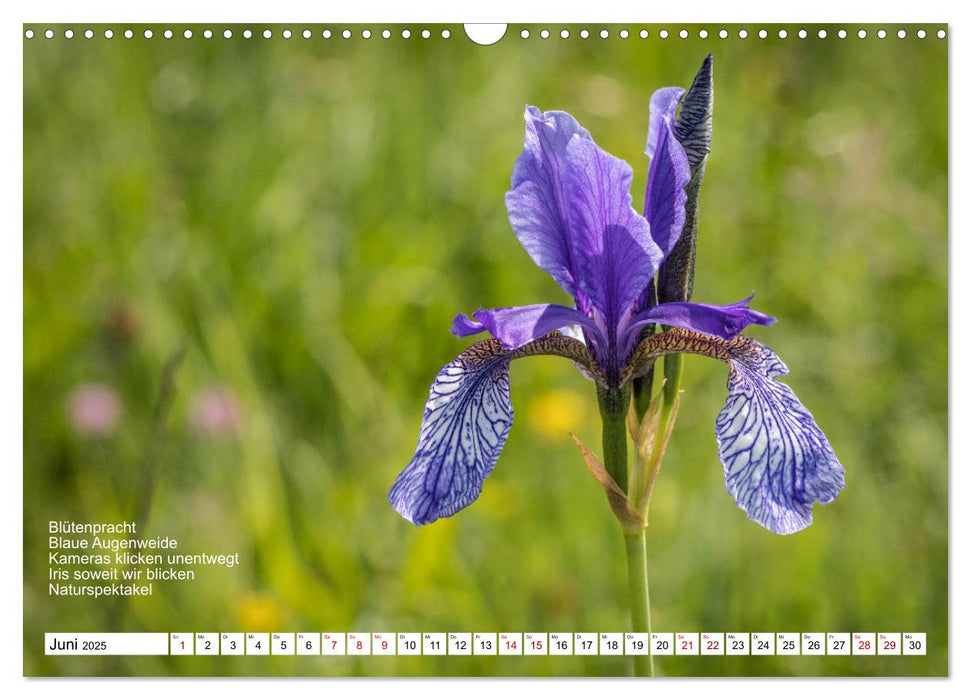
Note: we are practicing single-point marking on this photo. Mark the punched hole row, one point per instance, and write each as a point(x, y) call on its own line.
point(446, 34)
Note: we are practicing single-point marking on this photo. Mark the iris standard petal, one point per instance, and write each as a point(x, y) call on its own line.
point(538, 204)
point(618, 258)
point(467, 418)
point(665, 197)
point(664, 103)
point(777, 461)
point(515, 326)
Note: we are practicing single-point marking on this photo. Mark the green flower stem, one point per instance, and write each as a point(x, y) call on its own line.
point(613, 412)
point(673, 364)
point(614, 404)
point(643, 387)
point(640, 599)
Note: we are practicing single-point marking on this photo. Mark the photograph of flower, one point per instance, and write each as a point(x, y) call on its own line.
point(243, 254)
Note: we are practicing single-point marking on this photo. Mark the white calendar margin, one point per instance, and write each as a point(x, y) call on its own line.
point(11, 424)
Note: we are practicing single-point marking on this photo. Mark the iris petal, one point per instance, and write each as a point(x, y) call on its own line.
point(618, 256)
point(463, 326)
point(466, 421)
point(664, 103)
point(665, 198)
point(570, 208)
point(538, 204)
point(517, 325)
point(722, 321)
point(777, 461)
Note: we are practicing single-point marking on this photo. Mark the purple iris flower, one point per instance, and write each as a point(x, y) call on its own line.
point(570, 208)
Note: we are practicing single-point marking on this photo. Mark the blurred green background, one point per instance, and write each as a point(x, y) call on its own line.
point(304, 218)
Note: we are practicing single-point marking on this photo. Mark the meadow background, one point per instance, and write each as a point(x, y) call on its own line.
point(303, 218)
